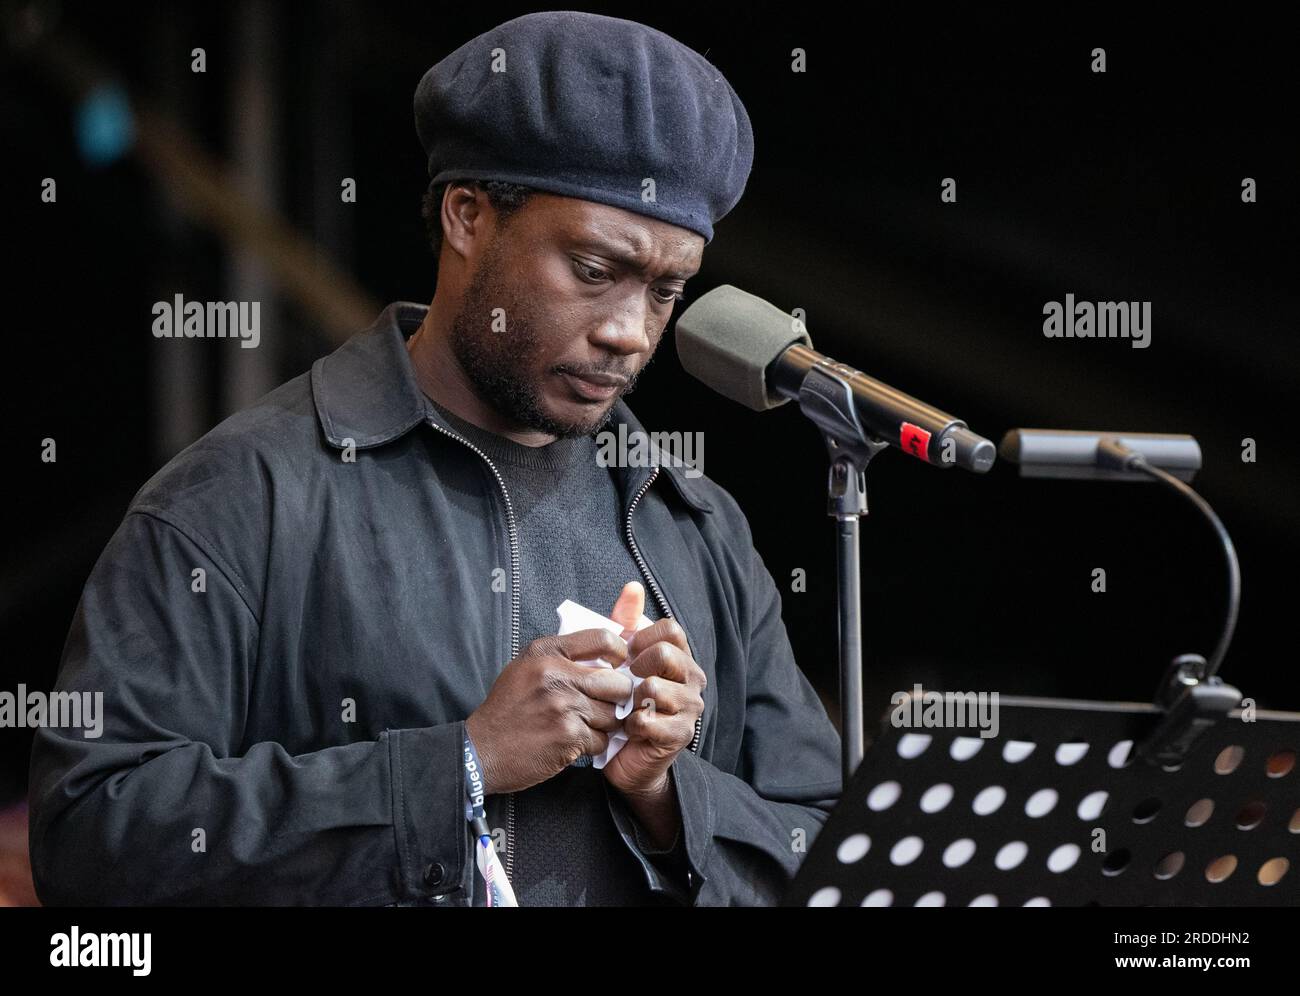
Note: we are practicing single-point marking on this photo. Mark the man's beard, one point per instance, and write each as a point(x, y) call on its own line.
point(499, 364)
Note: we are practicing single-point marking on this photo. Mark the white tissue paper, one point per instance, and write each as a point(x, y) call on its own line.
point(575, 617)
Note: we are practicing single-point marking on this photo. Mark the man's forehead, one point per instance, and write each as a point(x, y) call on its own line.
point(628, 236)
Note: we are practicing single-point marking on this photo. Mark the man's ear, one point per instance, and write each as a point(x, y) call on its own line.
point(464, 218)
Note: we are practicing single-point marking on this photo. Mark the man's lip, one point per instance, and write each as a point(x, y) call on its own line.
point(594, 389)
point(599, 379)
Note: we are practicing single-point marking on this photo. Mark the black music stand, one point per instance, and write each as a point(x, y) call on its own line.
point(1017, 830)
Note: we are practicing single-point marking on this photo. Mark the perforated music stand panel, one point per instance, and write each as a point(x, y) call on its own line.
point(1057, 810)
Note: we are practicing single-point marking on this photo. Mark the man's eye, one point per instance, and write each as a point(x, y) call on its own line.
point(672, 295)
point(591, 274)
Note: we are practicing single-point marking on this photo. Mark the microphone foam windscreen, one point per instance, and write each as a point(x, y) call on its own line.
point(728, 338)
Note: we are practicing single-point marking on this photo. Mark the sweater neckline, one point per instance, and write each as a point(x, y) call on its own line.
point(557, 455)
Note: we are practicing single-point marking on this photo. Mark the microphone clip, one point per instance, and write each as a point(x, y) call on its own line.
point(828, 401)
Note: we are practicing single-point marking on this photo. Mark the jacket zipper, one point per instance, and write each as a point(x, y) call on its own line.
point(694, 747)
point(514, 620)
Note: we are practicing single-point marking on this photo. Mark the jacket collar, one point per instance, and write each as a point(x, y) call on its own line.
point(366, 393)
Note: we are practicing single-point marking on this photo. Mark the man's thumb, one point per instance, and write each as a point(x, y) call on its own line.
point(629, 606)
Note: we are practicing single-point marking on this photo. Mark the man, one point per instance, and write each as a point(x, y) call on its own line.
point(307, 616)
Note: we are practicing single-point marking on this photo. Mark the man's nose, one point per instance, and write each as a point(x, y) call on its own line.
point(623, 329)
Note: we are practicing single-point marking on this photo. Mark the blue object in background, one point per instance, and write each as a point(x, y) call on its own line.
point(105, 126)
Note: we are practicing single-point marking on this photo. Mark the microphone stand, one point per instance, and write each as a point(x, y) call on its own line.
point(827, 399)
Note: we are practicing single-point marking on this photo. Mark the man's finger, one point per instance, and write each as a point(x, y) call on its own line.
point(666, 697)
point(665, 630)
point(594, 742)
point(665, 659)
point(592, 644)
point(601, 716)
point(601, 683)
point(665, 732)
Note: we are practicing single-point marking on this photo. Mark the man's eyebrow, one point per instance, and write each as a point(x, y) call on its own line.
point(626, 259)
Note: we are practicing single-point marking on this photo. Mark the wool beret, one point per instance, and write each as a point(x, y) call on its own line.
point(593, 107)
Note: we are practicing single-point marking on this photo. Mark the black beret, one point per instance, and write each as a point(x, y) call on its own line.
point(589, 106)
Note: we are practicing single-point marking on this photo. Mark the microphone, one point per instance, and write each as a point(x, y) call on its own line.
point(752, 352)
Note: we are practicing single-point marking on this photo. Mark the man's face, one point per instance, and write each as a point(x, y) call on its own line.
point(569, 289)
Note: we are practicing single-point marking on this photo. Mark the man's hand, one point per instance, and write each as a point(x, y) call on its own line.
point(663, 723)
point(544, 711)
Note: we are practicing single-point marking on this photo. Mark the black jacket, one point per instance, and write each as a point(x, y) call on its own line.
point(295, 618)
